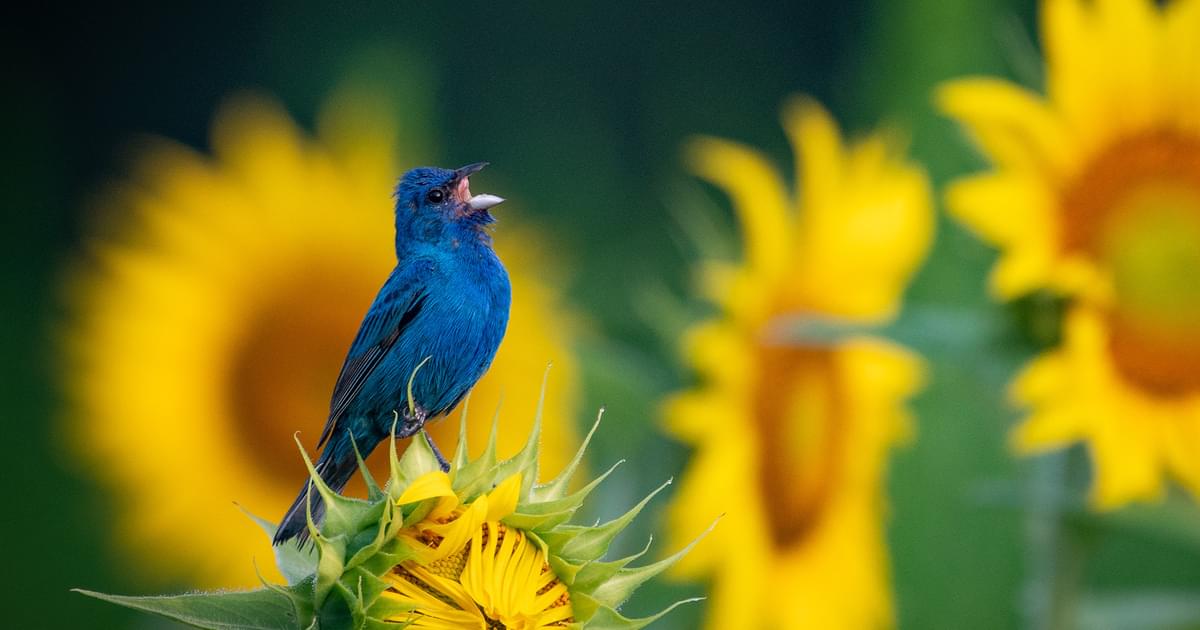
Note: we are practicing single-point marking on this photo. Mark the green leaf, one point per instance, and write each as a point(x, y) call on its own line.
point(590, 543)
point(462, 451)
point(330, 564)
point(590, 575)
point(293, 561)
point(260, 609)
point(549, 514)
point(418, 458)
point(472, 478)
point(374, 492)
point(606, 618)
point(558, 487)
point(616, 589)
point(340, 511)
point(526, 461)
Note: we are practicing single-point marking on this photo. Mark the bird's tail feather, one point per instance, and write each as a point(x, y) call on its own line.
point(336, 465)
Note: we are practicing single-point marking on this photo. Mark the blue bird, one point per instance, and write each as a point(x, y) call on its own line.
point(437, 320)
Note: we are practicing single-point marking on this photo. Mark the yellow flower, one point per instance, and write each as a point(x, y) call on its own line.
point(1096, 194)
point(215, 314)
point(1136, 437)
point(1106, 164)
point(482, 546)
point(792, 438)
point(471, 570)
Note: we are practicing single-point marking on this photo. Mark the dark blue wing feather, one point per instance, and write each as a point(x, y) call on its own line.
point(393, 310)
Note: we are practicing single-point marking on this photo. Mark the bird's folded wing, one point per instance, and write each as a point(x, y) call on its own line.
point(398, 303)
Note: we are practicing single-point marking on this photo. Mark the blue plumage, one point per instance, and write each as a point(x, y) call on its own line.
point(443, 308)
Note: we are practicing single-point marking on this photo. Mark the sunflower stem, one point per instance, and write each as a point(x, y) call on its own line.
point(1059, 542)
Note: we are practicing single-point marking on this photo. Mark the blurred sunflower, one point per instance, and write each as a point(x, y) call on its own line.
point(1096, 194)
point(214, 317)
point(1107, 164)
point(1077, 392)
point(791, 436)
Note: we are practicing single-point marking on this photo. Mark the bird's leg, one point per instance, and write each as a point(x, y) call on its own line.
point(445, 465)
point(411, 422)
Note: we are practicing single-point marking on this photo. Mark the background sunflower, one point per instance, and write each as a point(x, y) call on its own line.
point(792, 430)
point(1095, 194)
point(582, 111)
point(209, 326)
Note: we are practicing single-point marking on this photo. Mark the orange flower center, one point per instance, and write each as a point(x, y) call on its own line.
point(1157, 160)
point(286, 362)
point(798, 407)
point(1136, 210)
point(284, 366)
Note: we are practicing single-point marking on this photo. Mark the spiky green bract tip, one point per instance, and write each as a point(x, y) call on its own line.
point(425, 522)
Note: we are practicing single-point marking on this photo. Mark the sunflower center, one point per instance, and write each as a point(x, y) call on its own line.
point(287, 360)
point(797, 409)
point(1136, 210)
point(1117, 182)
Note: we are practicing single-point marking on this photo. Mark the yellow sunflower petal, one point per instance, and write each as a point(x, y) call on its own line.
point(857, 254)
point(1012, 125)
point(1182, 442)
point(817, 143)
point(1182, 60)
point(690, 416)
point(427, 486)
point(502, 500)
point(758, 195)
point(1075, 67)
point(713, 349)
point(1130, 42)
point(1126, 465)
point(1006, 208)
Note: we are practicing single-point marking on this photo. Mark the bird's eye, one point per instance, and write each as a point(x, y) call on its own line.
point(435, 196)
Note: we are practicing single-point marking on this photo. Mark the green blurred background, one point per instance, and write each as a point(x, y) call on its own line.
point(582, 110)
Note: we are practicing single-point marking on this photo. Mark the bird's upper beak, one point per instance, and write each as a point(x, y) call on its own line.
point(477, 203)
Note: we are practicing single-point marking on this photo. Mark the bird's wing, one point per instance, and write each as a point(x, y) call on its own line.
point(398, 303)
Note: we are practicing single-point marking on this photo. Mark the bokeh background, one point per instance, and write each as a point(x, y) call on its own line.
point(582, 111)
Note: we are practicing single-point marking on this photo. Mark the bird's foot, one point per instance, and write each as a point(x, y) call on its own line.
point(445, 465)
point(410, 423)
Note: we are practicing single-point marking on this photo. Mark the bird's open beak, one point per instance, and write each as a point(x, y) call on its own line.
point(470, 169)
point(477, 203)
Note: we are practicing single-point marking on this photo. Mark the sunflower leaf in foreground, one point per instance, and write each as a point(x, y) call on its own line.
point(481, 546)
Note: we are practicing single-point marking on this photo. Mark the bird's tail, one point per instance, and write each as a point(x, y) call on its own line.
point(335, 466)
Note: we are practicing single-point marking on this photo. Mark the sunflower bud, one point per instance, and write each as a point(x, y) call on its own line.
point(481, 546)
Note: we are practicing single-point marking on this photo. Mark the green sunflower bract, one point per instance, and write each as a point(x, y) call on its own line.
point(481, 546)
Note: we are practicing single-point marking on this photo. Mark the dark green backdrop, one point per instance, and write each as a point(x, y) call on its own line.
point(584, 107)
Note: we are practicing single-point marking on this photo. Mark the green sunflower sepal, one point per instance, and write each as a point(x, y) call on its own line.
point(364, 548)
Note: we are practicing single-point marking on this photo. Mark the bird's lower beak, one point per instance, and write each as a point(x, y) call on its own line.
point(484, 201)
point(476, 203)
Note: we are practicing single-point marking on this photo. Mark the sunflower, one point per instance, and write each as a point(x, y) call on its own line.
point(1095, 194)
point(215, 312)
point(792, 436)
point(472, 570)
point(481, 546)
point(1078, 392)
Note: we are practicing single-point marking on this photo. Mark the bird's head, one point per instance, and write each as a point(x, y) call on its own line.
point(434, 201)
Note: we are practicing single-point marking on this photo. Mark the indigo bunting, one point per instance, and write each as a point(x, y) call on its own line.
point(437, 321)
